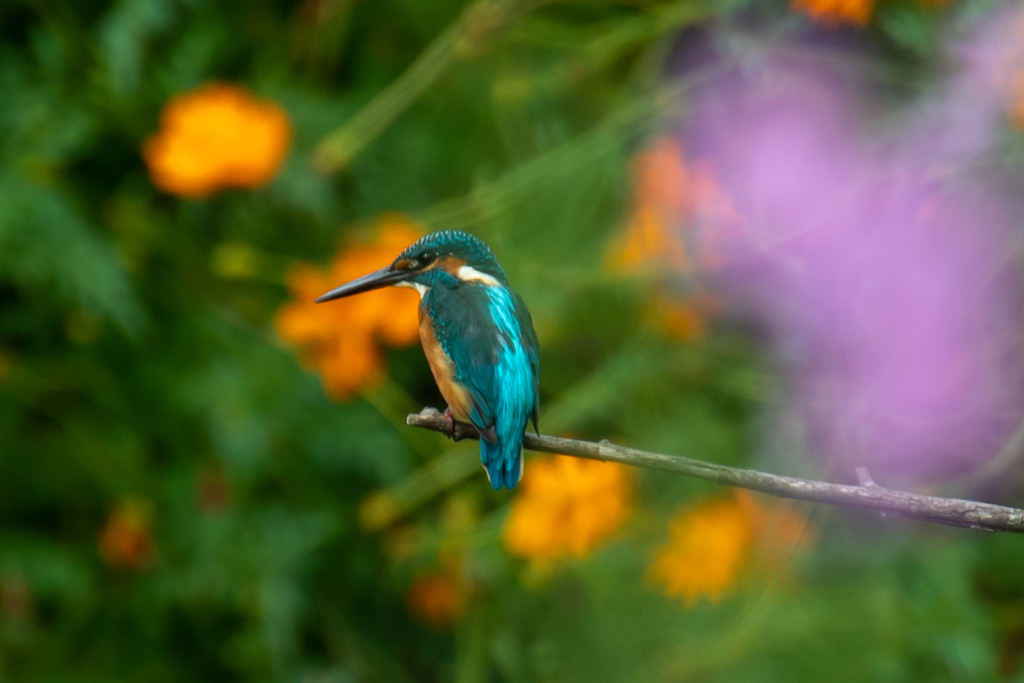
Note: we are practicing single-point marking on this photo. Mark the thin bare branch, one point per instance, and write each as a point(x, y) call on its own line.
point(949, 511)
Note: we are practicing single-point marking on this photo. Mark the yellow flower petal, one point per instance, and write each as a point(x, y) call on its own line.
point(214, 138)
point(567, 506)
point(835, 12)
point(707, 548)
point(342, 339)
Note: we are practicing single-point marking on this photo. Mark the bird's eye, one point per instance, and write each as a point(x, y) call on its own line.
point(426, 258)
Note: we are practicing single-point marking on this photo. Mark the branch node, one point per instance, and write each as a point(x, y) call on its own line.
point(864, 477)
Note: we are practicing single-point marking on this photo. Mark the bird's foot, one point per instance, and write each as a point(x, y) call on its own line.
point(451, 431)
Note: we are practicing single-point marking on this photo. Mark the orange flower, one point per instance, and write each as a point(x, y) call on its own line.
point(653, 235)
point(341, 339)
point(671, 198)
point(681, 319)
point(836, 12)
point(679, 215)
point(650, 242)
point(437, 597)
point(567, 506)
point(215, 138)
point(709, 544)
point(126, 541)
point(707, 547)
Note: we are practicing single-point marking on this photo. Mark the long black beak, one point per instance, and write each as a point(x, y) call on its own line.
point(375, 280)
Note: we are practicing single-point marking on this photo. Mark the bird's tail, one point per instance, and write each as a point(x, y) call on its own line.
point(503, 461)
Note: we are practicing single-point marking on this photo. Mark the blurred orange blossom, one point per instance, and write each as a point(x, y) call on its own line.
point(683, 320)
point(833, 13)
point(669, 197)
point(567, 506)
point(126, 541)
point(709, 545)
point(214, 138)
point(437, 597)
point(341, 339)
point(836, 12)
point(660, 182)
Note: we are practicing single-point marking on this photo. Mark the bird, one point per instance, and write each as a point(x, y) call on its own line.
point(478, 337)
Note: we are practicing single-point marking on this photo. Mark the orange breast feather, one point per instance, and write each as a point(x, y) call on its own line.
point(454, 393)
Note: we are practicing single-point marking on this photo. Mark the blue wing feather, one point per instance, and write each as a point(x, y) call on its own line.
point(529, 341)
point(488, 334)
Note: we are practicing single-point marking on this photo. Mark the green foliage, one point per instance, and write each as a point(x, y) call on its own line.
point(138, 361)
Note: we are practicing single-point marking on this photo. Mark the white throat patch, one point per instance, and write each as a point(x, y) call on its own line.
point(420, 289)
point(471, 274)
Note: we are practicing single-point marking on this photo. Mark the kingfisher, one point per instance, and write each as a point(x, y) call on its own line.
point(478, 338)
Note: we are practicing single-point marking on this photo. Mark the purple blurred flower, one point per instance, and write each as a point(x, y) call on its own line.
point(880, 262)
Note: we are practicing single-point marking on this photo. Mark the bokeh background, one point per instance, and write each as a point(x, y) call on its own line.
point(781, 236)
